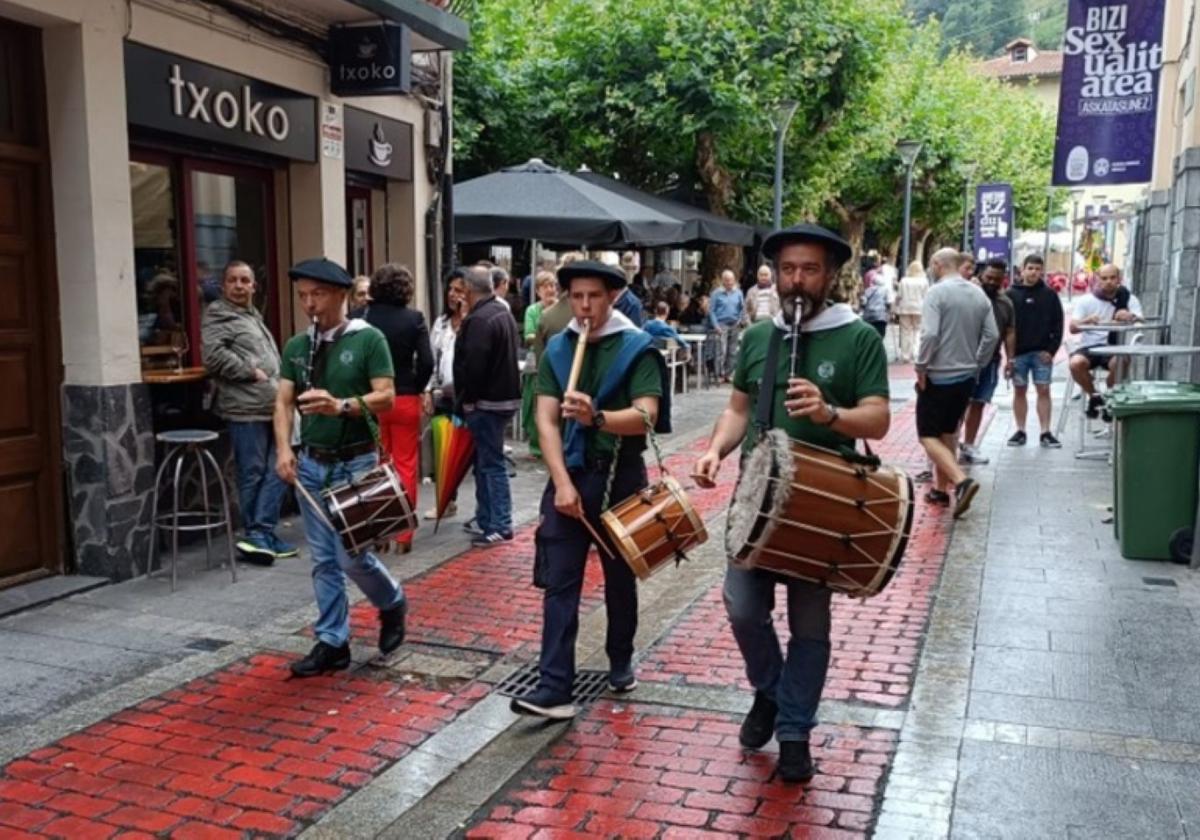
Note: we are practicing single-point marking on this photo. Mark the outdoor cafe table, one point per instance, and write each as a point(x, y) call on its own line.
point(1123, 328)
point(1147, 353)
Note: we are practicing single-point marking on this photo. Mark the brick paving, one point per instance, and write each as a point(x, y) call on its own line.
point(457, 603)
point(875, 642)
point(241, 751)
point(637, 771)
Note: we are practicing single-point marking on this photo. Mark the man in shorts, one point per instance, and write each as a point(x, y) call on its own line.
point(1108, 302)
point(1039, 327)
point(992, 283)
point(958, 338)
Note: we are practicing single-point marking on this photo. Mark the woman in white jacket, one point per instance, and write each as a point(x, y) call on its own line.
point(913, 286)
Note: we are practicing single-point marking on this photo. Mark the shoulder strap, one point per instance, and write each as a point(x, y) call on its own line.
point(766, 383)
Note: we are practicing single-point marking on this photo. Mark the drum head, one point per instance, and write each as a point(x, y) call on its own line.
point(761, 494)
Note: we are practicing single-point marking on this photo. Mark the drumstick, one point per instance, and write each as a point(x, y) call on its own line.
point(601, 544)
point(577, 362)
point(312, 503)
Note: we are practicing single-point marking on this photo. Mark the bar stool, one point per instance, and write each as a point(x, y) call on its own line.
point(185, 444)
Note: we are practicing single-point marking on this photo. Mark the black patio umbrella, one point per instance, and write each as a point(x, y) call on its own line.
point(541, 202)
point(700, 226)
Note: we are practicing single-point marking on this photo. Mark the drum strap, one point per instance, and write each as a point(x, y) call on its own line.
point(765, 406)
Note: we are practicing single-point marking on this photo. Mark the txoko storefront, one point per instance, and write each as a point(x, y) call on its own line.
point(144, 145)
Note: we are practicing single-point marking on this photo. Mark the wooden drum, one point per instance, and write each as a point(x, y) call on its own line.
point(813, 514)
point(654, 526)
point(370, 509)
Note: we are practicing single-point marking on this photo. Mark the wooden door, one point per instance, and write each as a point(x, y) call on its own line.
point(30, 451)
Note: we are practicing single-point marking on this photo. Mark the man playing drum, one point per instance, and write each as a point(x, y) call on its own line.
point(839, 394)
point(592, 437)
point(349, 371)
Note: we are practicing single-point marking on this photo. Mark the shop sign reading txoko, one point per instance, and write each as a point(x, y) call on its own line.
point(170, 93)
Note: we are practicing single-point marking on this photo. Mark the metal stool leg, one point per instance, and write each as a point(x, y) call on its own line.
point(1066, 404)
point(197, 452)
point(226, 514)
point(175, 520)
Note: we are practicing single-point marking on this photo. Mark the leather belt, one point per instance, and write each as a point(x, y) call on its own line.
point(336, 456)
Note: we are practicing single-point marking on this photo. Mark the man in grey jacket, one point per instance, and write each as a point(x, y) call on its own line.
point(243, 362)
point(958, 337)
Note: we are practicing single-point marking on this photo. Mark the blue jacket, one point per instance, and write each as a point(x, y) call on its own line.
point(629, 306)
point(661, 329)
point(560, 352)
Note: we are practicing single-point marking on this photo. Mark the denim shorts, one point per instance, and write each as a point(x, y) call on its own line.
point(1027, 363)
point(985, 386)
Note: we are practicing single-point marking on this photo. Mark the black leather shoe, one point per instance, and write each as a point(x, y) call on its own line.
point(322, 659)
point(795, 761)
point(391, 627)
point(759, 725)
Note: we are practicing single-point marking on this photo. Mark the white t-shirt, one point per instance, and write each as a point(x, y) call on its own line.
point(1089, 305)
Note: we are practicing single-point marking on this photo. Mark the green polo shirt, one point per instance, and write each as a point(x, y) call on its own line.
point(643, 381)
point(847, 363)
point(350, 364)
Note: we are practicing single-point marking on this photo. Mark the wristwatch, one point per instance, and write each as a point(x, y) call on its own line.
point(344, 408)
point(598, 420)
point(833, 414)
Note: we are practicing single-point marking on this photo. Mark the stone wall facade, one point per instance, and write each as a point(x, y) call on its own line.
point(108, 445)
point(1184, 262)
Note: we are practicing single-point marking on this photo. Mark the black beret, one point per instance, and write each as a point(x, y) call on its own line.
point(323, 271)
point(806, 232)
point(613, 276)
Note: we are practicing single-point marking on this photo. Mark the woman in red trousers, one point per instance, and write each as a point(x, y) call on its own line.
point(408, 337)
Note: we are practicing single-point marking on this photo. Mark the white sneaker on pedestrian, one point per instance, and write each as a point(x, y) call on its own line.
point(968, 454)
point(451, 511)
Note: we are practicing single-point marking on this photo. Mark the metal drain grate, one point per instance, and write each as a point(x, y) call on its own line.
point(1157, 581)
point(207, 645)
point(588, 687)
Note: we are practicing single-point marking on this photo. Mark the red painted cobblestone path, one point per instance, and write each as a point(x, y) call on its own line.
point(647, 772)
point(875, 642)
point(483, 599)
point(241, 751)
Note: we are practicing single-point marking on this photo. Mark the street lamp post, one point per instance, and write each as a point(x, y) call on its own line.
point(908, 149)
point(1076, 194)
point(968, 171)
point(1049, 206)
point(783, 119)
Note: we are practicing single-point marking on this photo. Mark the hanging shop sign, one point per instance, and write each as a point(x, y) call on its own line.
point(1108, 100)
point(367, 59)
point(993, 221)
point(378, 145)
point(167, 92)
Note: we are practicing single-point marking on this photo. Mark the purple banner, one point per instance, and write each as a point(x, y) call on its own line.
point(1112, 53)
point(993, 221)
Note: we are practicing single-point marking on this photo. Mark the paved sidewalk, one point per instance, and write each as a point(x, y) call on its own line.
point(1017, 679)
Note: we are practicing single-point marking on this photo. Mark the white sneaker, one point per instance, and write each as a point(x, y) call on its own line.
point(968, 454)
point(451, 510)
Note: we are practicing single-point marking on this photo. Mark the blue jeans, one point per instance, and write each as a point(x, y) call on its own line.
point(560, 558)
point(794, 683)
point(331, 562)
point(1029, 365)
point(985, 385)
point(260, 489)
point(493, 498)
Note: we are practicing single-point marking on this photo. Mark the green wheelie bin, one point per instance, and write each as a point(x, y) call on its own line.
point(1155, 465)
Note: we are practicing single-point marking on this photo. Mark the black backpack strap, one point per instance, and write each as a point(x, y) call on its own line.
point(765, 406)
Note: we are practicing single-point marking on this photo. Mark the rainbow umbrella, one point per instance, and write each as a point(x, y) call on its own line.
point(453, 453)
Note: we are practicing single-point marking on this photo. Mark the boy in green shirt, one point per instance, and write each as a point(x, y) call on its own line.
point(596, 429)
point(839, 394)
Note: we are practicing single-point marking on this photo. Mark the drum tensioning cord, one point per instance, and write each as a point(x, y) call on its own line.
point(680, 555)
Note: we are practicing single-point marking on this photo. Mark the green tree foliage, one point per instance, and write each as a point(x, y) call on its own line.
point(680, 93)
point(983, 27)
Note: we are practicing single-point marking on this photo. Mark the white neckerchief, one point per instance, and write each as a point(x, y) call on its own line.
point(617, 322)
point(829, 318)
point(352, 325)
